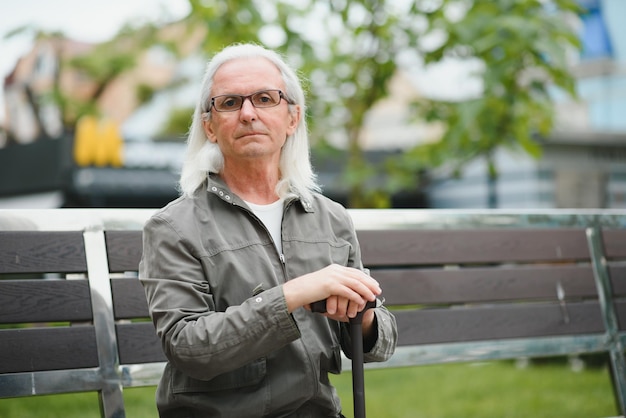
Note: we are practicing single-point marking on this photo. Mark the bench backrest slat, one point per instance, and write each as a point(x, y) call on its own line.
point(138, 343)
point(129, 299)
point(614, 242)
point(405, 286)
point(42, 252)
point(43, 349)
point(618, 279)
point(54, 300)
point(447, 246)
point(620, 308)
point(123, 250)
point(433, 326)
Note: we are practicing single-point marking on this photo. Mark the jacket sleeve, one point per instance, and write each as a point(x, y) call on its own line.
point(196, 339)
point(386, 339)
point(386, 329)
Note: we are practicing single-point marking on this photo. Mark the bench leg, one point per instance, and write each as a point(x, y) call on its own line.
point(111, 397)
point(605, 295)
point(112, 401)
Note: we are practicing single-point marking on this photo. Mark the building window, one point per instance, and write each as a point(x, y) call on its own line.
point(596, 42)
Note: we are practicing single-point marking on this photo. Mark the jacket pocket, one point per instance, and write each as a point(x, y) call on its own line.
point(248, 375)
point(332, 364)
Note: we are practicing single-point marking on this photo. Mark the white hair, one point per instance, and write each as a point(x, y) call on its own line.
point(203, 156)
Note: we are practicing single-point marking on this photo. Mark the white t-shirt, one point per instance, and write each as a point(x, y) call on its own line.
point(271, 215)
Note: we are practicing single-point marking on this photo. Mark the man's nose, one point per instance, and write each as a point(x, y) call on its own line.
point(247, 111)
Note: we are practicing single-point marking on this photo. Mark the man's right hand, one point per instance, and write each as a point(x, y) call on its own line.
point(349, 289)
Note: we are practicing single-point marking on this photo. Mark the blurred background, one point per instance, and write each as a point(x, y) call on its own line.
point(420, 104)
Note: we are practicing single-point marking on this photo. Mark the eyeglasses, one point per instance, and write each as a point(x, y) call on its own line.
point(260, 99)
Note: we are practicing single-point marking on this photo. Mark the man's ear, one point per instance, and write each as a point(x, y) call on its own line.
point(295, 116)
point(208, 130)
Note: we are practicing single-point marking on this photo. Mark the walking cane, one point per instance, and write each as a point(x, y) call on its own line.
point(356, 335)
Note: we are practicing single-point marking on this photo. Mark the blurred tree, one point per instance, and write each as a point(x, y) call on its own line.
point(177, 123)
point(102, 66)
point(346, 49)
point(521, 47)
point(109, 60)
point(228, 21)
point(349, 50)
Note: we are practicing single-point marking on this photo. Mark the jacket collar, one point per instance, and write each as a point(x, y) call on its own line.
point(216, 185)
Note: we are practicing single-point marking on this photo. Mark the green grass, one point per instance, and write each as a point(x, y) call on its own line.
point(485, 390)
point(494, 389)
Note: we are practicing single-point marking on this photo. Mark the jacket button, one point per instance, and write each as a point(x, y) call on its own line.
point(259, 299)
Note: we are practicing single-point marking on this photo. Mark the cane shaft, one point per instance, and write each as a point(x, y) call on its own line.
point(358, 378)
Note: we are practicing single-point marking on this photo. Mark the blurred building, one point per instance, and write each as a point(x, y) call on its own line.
point(28, 115)
point(30, 111)
point(40, 165)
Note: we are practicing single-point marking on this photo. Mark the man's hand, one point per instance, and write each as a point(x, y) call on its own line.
point(345, 289)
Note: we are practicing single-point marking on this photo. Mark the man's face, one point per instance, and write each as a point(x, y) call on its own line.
point(250, 134)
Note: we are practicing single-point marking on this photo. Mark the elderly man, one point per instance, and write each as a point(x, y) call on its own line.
point(231, 268)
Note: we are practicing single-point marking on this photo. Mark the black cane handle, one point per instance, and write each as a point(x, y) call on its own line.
point(320, 307)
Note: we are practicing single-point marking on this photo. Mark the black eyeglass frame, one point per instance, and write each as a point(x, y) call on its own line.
point(281, 96)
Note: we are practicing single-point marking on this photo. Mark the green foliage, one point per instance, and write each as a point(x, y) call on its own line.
point(177, 123)
point(227, 21)
point(145, 93)
point(349, 51)
point(104, 63)
point(71, 109)
point(521, 46)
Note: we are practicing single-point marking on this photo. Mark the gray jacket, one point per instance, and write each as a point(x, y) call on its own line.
point(212, 278)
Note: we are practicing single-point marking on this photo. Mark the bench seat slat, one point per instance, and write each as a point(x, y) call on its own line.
point(423, 247)
point(138, 343)
point(430, 326)
point(23, 301)
point(42, 252)
point(468, 285)
point(51, 348)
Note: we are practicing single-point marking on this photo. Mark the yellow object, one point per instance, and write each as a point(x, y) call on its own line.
point(114, 144)
point(98, 142)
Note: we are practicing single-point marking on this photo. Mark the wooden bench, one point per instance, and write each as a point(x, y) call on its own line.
point(464, 286)
point(71, 275)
